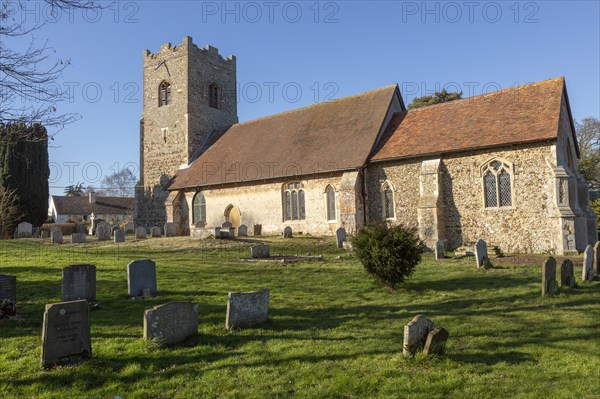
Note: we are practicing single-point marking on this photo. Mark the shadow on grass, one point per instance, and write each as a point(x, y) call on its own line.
point(490, 359)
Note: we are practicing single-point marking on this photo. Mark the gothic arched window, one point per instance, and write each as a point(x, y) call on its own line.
point(497, 186)
point(387, 196)
point(199, 209)
point(293, 202)
point(330, 195)
point(164, 94)
point(213, 95)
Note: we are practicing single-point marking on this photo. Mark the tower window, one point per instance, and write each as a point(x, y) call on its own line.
point(213, 96)
point(164, 94)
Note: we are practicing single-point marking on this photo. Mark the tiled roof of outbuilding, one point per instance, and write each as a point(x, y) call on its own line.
point(104, 205)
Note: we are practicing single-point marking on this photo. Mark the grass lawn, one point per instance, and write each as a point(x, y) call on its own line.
point(331, 332)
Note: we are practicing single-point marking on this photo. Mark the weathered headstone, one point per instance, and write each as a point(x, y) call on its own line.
point(129, 228)
point(567, 276)
point(231, 232)
point(65, 332)
point(439, 250)
point(287, 232)
point(587, 273)
point(80, 229)
point(103, 231)
point(217, 232)
point(119, 236)
point(257, 229)
point(415, 334)
point(172, 322)
point(155, 232)
point(24, 230)
point(77, 238)
point(436, 342)
point(8, 296)
point(44, 234)
point(242, 230)
point(245, 309)
point(140, 232)
point(79, 282)
point(226, 225)
point(141, 274)
point(258, 251)
point(597, 258)
point(57, 237)
point(170, 230)
point(481, 253)
point(549, 283)
point(340, 237)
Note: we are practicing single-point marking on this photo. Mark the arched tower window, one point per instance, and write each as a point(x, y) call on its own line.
point(497, 184)
point(213, 95)
point(387, 196)
point(293, 201)
point(199, 209)
point(164, 94)
point(330, 195)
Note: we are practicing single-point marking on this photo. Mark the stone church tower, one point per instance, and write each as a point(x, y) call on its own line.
point(189, 96)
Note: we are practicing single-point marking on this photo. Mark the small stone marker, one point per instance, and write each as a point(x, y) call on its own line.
point(57, 237)
point(65, 332)
point(8, 295)
point(481, 253)
point(567, 276)
point(436, 342)
point(77, 238)
point(587, 273)
point(246, 309)
point(79, 282)
point(287, 232)
point(549, 283)
point(170, 230)
point(439, 250)
point(347, 245)
point(259, 251)
point(217, 232)
point(103, 231)
point(141, 274)
point(172, 322)
point(415, 334)
point(155, 232)
point(140, 233)
point(231, 232)
point(24, 230)
point(242, 230)
point(119, 236)
point(340, 237)
point(257, 229)
point(129, 228)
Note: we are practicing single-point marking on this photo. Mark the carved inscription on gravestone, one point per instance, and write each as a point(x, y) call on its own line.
point(245, 309)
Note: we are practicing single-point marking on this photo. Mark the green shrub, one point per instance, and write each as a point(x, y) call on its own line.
point(389, 254)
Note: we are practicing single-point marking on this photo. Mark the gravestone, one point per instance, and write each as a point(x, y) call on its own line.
point(155, 232)
point(119, 236)
point(549, 283)
point(257, 229)
point(56, 237)
point(439, 250)
point(129, 228)
point(347, 245)
point(226, 226)
point(80, 229)
point(8, 295)
point(246, 309)
point(287, 232)
point(24, 230)
point(340, 237)
point(259, 251)
point(77, 238)
point(481, 253)
point(103, 231)
point(231, 233)
point(217, 232)
point(415, 334)
point(79, 282)
point(44, 234)
point(113, 229)
point(170, 230)
point(567, 276)
point(140, 232)
point(242, 230)
point(172, 322)
point(587, 273)
point(436, 342)
point(597, 258)
point(141, 275)
point(65, 332)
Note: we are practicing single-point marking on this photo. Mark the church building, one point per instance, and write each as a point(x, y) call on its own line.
point(500, 166)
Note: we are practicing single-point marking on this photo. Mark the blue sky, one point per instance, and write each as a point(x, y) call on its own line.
point(309, 51)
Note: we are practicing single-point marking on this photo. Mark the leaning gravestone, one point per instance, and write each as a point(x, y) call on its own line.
point(436, 342)
point(24, 230)
point(172, 322)
point(103, 231)
point(259, 251)
point(56, 236)
point(170, 230)
point(439, 250)
point(567, 276)
point(415, 334)
point(597, 258)
point(340, 237)
point(242, 230)
point(155, 232)
point(77, 238)
point(287, 232)
point(141, 278)
point(65, 332)
point(587, 273)
point(140, 232)
point(549, 283)
point(257, 229)
point(8, 295)
point(119, 236)
point(246, 309)
point(79, 282)
point(481, 253)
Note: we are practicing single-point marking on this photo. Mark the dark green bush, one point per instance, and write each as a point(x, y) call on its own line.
point(389, 254)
